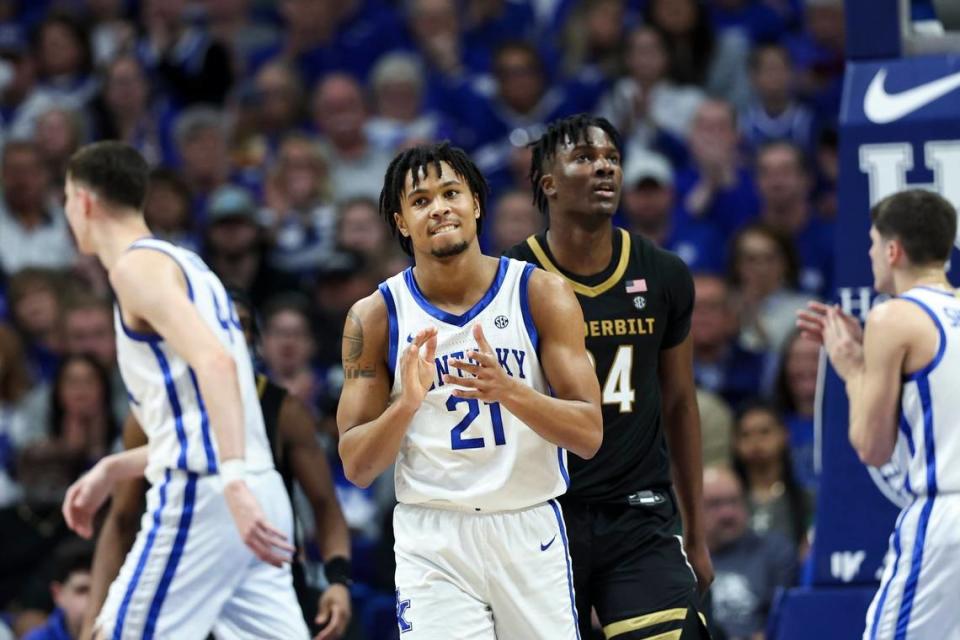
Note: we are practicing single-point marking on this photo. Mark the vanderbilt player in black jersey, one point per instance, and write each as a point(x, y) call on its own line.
point(621, 512)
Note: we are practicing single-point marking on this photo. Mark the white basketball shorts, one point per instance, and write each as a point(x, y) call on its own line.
point(917, 598)
point(463, 575)
point(189, 572)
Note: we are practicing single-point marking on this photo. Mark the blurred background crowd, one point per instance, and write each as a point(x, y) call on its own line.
point(270, 124)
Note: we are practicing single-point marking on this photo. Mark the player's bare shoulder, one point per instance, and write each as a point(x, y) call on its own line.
point(550, 294)
point(134, 269)
point(899, 318)
point(903, 324)
point(147, 283)
point(365, 338)
point(553, 304)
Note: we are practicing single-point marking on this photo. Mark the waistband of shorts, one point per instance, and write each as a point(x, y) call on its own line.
point(652, 497)
point(184, 474)
point(465, 508)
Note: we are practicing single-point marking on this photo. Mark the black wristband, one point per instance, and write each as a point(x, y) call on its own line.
point(338, 571)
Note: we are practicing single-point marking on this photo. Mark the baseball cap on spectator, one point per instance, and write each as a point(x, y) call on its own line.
point(231, 202)
point(647, 168)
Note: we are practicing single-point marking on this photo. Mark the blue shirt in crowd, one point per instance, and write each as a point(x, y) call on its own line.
point(54, 629)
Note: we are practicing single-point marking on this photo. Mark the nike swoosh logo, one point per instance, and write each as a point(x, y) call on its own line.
point(544, 547)
point(882, 107)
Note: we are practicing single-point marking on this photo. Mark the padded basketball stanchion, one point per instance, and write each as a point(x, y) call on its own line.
point(898, 129)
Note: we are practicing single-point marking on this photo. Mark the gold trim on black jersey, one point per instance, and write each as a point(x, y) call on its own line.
point(261, 384)
point(582, 289)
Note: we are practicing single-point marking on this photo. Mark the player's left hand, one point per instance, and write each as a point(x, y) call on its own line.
point(333, 613)
point(490, 382)
point(699, 558)
point(844, 344)
point(84, 498)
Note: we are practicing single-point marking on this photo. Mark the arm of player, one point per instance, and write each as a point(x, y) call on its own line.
point(118, 532)
point(371, 428)
point(85, 496)
point(681, 420)
point(871, 371)
point(299, 433)
point(165, 306)
point(571, 418)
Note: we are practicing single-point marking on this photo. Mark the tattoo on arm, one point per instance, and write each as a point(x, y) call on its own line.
point(352, 372)
point(352, 339)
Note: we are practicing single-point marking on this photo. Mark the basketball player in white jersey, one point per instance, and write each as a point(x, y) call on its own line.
point(469, 373)
point(213, 546)
point(901, 374)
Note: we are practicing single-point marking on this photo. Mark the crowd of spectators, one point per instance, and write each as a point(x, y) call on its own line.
point(269, 124)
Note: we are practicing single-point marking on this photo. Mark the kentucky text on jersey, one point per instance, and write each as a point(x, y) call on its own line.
point(619, 327)
point(511, 361)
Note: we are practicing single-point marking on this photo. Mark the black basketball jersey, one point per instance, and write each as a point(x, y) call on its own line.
point(271, 399)
point(272, 396)
point(640, 304)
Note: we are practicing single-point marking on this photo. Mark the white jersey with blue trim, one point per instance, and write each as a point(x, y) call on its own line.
point(930, 403)
point(164, 391)
point(464, 453)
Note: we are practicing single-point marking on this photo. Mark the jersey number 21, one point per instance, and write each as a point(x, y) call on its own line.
point(457, 441)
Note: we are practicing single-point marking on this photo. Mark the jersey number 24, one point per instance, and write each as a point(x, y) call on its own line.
point(617, 388)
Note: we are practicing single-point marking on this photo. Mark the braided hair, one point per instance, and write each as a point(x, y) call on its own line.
point(416, 161)
point(572, 129)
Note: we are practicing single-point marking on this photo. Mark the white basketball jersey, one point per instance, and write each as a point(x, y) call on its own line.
point(930, 402)
point(461, 452)
point(164, 390)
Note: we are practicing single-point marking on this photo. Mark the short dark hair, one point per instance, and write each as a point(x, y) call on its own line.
point(799, 156)
point(416, 161)
point(517, 46)
point(77, 29)
point(72, 556)
point(116, 171)
point(170, 179)
point(924, 222)
point(291, 301)
point(572, 128)
point(756, 56)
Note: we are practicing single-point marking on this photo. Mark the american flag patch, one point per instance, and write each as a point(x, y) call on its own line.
point(637, 286)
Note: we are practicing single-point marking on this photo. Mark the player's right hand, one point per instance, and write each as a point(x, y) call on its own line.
point(812, 321)
point(416, 371)
point(84, 498)
point(267, 543)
